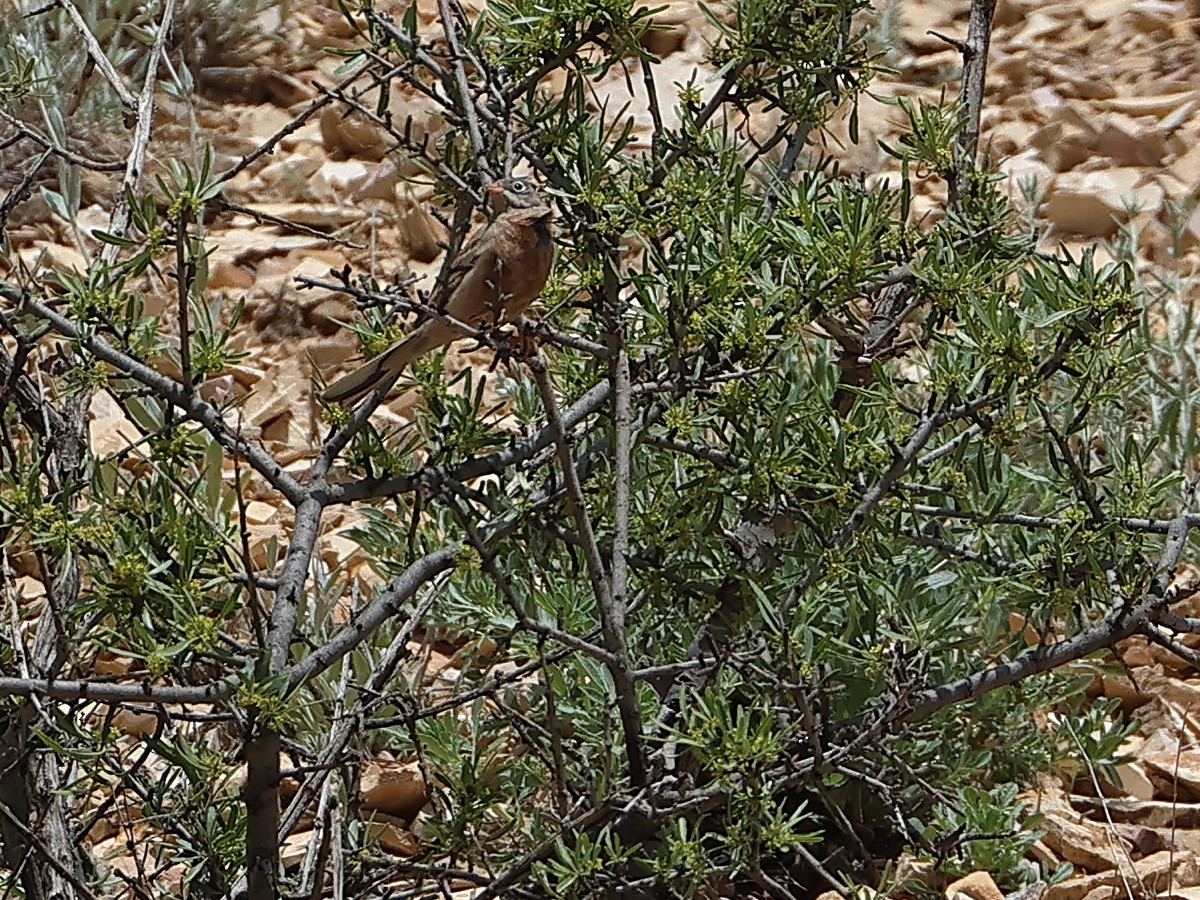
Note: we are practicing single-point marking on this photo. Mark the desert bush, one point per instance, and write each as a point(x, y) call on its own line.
point(739, 564)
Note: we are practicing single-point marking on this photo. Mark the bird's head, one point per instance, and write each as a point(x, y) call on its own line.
point(514, 193)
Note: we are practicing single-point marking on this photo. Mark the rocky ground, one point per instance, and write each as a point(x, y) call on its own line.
point(1091, 110)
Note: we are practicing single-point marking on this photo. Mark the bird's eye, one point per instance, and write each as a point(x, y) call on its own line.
point(519, 187)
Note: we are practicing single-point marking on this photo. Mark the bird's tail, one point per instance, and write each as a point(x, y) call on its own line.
point(349, 389)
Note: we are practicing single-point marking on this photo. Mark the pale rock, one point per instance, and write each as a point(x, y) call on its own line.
point(1064, 145)
point(337, 549)
point(1149, 875)
point(246, 375)
point(44, 255)
point(135, 723)
point(945, 63)
point(1173, 189)
point(1088, 203)
point(976, 886)
point(1152, 16)
point(1190, 236)
point(1188, 603)
point(263, 120)
point(669, 28)
point(349, 136)
point(110, 435)
point(392, 835)
point(1134, 781)
point(419, 232)
point(394, 788)
point(1129, 142)
point(378, 184)
point(259, 513)
point(226, 275)
point(1102, 12)
point(1121, 687)
point(1086, 844)
point(287, 177)
point(1039, 27)
point(1144, 841)
point(1180, 769)
point(1176, 690)
point(279, 391)
point(1027, 169)
point(1087, 86)
point(921, 18)
point(1044, 855)
point(1046, 99)
point(264, 543)
point(107, 663)
point(29, 588)
point(1150, 813)
point(1005, 139)
point(1182, 114)
point(336, 180)
point(1013, 12)
point(295, 848)
point(279, 429)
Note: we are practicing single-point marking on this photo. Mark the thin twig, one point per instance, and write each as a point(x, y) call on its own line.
point(611, 621)
point(121, 214)
point(96, 52)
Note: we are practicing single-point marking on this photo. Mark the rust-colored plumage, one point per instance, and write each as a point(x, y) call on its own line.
point(500, 273)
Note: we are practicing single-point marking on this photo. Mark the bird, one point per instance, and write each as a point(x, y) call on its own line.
point(494, 279)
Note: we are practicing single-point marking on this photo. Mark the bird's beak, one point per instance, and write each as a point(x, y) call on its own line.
point(495, 188)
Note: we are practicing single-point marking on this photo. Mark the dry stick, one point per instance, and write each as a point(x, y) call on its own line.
point(369, 697)
point(714, 103)
point(520, 451)
point(530, 81)
point(611, 620)
point(52, 858)
point(173, 392)
point(1079, 479)
point(999, 564)
point(460, 73)
point(1022, 520)
point(1183, 651)
point(919, 438)
point(183, 290)
point(260, 217)
point(975, 56)
point(385, 605)
point(1117, 625)
point(404, 141)
point(622, 440)
point(97, 54)
point(61, 152)
point(488, 562)
point(825, 874)
point(783, 172)
point(117, 692)
point(21, 190)
point(119, 221)
point(268, 146)
point(1177, 623)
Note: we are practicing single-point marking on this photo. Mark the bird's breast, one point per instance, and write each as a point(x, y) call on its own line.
point(524, 262)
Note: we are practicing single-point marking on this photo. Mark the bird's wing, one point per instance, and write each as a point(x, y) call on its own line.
point(475, 294)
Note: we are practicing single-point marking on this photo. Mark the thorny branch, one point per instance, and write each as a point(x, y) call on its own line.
point(583, 438)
